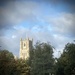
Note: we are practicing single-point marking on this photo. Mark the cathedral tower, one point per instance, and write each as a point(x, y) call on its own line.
point(25, 47)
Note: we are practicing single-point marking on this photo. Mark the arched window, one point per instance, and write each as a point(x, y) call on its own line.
point(24, 44)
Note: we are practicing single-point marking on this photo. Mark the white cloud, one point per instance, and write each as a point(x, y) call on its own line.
point(56, 33)
point(13, 36)
point(64, 23)
point(57, 30)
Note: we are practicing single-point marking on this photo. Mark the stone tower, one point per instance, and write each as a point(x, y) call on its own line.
point(25, 47)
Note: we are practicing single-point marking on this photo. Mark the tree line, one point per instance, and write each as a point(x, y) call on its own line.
point(41, 61)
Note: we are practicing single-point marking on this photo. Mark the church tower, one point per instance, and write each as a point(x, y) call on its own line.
point(25, 47)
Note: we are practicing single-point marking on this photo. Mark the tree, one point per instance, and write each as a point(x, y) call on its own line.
point(60, 64)
point(42, 62)
point(6, 58)
point(66, 63)
point(11, 66)
point(70, 68)
point(22, 67)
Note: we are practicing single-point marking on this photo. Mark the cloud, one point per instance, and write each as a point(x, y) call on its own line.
point(63, 24)
point(12, 42)
point(16, 12)
point(44, 35)
point(58, 30)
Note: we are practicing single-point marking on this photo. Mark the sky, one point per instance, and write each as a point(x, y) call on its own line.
point(43, 20)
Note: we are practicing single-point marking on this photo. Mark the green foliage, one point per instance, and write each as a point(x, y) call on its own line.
point(66, 63)
point(6, 58)
point(22, 67)
point(11, 66)
point(42, 61)
point(70, 68)
point(6, 54)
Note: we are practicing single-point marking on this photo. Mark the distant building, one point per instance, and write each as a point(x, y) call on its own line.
point(25, 47)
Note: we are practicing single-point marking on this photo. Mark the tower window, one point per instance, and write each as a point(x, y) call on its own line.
point(24, 44)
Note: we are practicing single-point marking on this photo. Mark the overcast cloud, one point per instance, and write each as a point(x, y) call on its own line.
point(37, 20)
